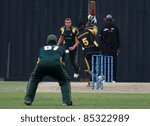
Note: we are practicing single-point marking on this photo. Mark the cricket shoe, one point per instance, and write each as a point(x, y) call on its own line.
point(28, 102)
point(76, 75)
point(68, 104)
point(113, 82)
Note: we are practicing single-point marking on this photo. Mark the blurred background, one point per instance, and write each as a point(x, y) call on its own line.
point(25, 24)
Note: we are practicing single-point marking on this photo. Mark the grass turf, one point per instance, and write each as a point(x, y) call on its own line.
point(12, 93)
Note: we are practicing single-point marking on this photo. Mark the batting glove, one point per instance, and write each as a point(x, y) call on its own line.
point(92, 19)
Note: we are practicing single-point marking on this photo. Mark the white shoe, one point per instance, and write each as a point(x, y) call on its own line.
point(113, 82)
point(76, 75)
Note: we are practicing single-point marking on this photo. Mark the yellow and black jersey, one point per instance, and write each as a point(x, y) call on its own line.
point(87, 39)
point(69, 35)
point(72, 30)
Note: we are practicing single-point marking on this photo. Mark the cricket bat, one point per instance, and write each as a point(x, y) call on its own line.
point(92, 7)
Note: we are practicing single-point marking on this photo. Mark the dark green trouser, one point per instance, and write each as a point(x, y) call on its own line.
point(71, 56)
point(53, 69)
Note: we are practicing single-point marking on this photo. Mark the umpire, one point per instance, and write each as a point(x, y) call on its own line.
point(110, 40)
point(50, 62)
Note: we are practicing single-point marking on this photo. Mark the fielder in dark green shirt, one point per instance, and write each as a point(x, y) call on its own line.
point(69, 39)
point(50, 62)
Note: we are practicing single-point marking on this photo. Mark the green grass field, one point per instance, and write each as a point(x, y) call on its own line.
point(12, 93)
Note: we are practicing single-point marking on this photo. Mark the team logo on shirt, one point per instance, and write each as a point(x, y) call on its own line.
point(109, 30)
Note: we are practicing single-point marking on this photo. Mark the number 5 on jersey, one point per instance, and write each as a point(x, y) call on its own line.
point(85, 41)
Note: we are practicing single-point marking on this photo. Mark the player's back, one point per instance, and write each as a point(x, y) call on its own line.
point(51, 53)
point(86, 38)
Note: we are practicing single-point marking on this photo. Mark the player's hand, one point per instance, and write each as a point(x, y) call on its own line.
point(71, 48)
point(92, 19)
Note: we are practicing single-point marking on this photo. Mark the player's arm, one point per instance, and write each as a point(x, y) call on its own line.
point(94, 31)
point(64, 58)
point(38, 60)
point(75, 45)
point(61, 38)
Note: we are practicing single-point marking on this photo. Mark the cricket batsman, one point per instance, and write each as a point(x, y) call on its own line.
point(70, 41)
point(50, 62)
point(87, 37)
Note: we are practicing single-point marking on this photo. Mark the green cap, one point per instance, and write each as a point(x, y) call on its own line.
point(51, 37)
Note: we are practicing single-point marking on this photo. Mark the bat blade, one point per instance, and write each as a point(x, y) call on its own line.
point(93, 7)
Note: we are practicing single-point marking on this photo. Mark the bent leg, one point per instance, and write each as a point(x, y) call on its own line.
point(73, 61)
point(62, 77)
point(33, 82)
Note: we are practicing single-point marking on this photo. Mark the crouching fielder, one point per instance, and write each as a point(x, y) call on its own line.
point(50, 63)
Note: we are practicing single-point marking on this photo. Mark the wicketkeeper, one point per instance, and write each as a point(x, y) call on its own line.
point(50, 62)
